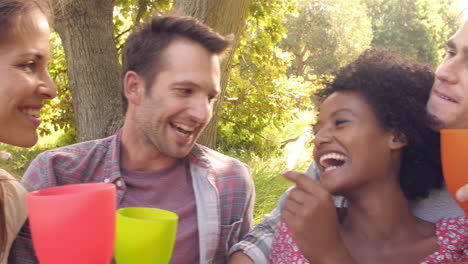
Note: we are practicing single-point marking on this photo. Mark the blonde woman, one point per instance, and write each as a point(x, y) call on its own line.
point(25, 84)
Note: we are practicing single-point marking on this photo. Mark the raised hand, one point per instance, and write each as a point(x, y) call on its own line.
point(311, 216)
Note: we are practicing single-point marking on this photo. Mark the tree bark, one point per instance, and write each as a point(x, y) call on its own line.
point(86, 29)
point(225, 17)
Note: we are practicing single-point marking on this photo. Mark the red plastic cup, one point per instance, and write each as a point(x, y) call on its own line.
point(454, 150)
point(73, 224)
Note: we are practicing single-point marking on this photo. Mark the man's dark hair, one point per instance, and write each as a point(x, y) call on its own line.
point(397, 90)
point(143, 50)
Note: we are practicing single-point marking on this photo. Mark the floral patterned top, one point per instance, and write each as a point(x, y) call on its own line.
point(452, 239)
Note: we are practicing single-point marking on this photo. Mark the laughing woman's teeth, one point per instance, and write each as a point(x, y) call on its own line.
point(330, 168)
point(325, 159)
point(332, 160)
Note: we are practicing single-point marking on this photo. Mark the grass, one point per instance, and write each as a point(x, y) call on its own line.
point(265, 171)
point(23, 156)
point(269, 184)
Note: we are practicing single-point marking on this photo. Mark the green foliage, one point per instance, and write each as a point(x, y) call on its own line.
point(128, 13)
point(266, 170)
point(259, 93)
point(58, 113)
point(326, 34)
point(417, 28)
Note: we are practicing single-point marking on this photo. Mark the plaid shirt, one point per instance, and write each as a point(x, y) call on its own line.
point(223, 188)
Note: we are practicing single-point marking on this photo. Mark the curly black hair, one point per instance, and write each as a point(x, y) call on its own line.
point(397, 89)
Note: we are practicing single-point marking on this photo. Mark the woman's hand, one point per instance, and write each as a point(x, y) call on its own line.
point(462, 194)
point(311, 216)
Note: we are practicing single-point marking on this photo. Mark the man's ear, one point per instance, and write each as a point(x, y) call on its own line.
point(134, 87)
point(397, 140)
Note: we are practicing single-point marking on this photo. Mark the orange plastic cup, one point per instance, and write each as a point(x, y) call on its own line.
point(454, 150)
point(73, 224)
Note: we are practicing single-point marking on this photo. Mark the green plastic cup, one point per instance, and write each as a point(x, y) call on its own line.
point(144, 235)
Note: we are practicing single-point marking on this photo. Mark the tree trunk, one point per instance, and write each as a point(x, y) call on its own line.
point(86, 29)
point(225, 17)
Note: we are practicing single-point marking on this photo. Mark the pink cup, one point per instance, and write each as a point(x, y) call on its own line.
point(73, 224)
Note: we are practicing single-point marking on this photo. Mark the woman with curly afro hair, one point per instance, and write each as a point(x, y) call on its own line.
point(373, 146)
